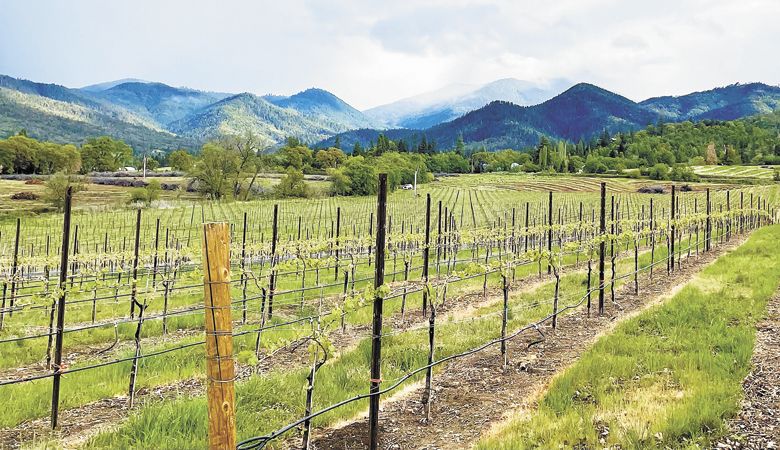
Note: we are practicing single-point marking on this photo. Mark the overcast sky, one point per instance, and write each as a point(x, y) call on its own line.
point(371, 52)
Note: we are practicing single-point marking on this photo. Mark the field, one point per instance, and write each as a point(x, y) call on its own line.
point(744, 172)
point(504, 294)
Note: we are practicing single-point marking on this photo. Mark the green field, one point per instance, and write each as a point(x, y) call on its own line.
point(322, 270)
point(759, 173)
point(666, 378)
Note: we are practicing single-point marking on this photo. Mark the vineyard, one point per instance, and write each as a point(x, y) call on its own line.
point(102, 319)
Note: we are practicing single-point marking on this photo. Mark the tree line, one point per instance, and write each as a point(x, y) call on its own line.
point(230, 166)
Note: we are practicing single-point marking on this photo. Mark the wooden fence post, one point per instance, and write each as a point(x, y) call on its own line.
point(549, 233)
point(376, 333)
point(602, 245)
point(220, 371)
point(673, 232)
point(55, 391)
point(426, 253)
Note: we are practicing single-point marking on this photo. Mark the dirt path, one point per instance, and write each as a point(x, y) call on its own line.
point(757, 426)
point(474, 393)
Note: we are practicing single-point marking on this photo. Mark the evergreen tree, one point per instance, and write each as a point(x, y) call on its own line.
point(423, 146)
point(460, 147)
point(357, 149)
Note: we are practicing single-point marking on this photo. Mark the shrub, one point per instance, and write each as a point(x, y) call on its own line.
point(147, 194)
point(681, 173)
point(659, 171)
point(25, 196)
point(651, 190)
point(57, 187)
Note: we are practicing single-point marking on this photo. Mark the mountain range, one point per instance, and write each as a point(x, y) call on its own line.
point(502, 114)
point(581, 112)
point(449, 103)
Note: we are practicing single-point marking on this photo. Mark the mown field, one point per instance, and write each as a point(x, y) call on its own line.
point(745, 172)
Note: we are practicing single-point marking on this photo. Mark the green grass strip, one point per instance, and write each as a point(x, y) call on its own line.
point(668, 377)
point(267, 402)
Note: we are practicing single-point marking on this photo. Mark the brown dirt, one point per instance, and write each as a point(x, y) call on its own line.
point(757, 426)
point(474, 393)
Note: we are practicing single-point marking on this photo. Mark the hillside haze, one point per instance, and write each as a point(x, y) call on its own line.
point(432, 108)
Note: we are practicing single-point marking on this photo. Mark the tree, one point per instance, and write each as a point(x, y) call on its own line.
point(215, 170)
point(460, 147)
point(340, 184)
point(247, 149)
point(104, 154)
point(711, 156)
point(292, 185)
point(181, 160)
point(146, 194)
point(680, 173)
point(329, 158)
point(732, 157)
point(298, 157)
point(362, 176)
point(22, 154)
point(659, 171)
point(57, 187)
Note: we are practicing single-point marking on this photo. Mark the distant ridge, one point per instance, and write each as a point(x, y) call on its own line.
point(581, 112)
point(148, 114)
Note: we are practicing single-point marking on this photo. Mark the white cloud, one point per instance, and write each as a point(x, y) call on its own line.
point(371, 52)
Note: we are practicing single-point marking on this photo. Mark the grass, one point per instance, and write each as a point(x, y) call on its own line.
point(758, 172)
point(265, 403)
point(667, 378)
point(29, 400)
point(494, 197)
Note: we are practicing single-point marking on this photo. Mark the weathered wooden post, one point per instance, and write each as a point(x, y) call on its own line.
point(708, 224)
point(602, 245)
point(134, 281)
point(673, 232)
point(60, 330)
point(220, 371)
point(549, 233)
point(376, 334)
point(426, 252)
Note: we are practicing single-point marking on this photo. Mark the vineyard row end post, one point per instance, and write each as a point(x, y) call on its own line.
point(220, 370)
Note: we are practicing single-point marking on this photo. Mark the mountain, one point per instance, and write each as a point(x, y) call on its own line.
point(148, 114)
point(69, 122)
point(158, 102)
point(580, 112)
point(242, 112)
point(504, 114)
point(432, 108)
point(724, 103)
point(109, 84)
point(324, 107)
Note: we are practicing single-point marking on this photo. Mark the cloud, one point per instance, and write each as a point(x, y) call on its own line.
point(371, 51)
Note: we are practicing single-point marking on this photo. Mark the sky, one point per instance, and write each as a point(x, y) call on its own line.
point(371, 52)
